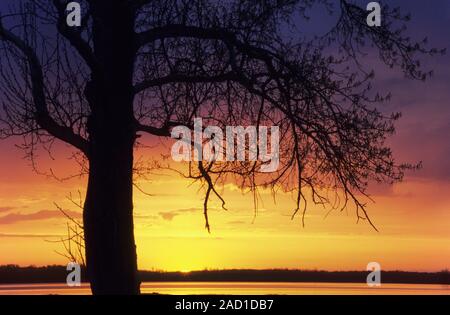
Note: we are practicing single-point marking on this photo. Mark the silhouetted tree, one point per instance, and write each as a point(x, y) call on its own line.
point(145, 66)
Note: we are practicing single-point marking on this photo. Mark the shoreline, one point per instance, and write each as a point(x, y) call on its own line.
point(12, 274)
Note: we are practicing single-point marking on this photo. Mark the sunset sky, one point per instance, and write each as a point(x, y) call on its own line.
point(413, 217)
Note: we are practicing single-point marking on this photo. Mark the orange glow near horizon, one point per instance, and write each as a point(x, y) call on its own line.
point(413, 219)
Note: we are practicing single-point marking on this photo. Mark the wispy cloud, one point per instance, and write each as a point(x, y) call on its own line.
point(237, 222)
point(6, 209)
point(169, 215)
point(8, 235)
point(36, 216)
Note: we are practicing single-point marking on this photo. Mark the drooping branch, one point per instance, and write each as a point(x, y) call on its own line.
point(41, 113)
point(180, 30)
point(340, 141)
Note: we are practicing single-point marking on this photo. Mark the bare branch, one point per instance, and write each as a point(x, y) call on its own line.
point(42, 115)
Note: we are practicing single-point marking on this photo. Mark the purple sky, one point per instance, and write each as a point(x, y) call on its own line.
point(423, 132)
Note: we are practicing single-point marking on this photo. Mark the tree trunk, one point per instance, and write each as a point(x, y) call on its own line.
point(108, 211)
point(108, 221)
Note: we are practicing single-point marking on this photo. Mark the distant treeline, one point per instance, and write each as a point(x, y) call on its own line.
point(54, 274)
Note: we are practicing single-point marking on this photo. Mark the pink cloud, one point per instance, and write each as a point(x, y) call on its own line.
point(37, 216)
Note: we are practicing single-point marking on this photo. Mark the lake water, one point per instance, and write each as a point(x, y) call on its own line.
point(251, 288)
